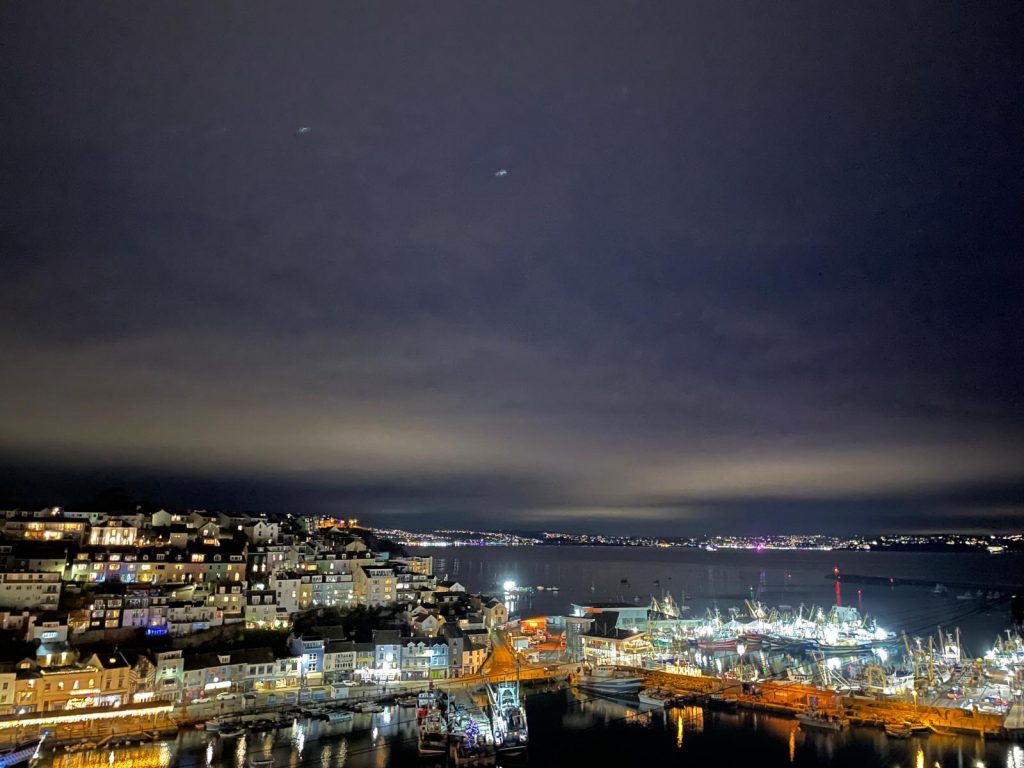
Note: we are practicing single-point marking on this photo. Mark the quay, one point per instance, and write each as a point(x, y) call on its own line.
point(789, 699)
point(102, 728)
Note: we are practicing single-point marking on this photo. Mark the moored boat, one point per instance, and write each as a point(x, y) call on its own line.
point(655, 697)
point(609, 680)
point(508, 718)
point(898, 730)
point(822, 720)
point(230, 731)
point(433, 734)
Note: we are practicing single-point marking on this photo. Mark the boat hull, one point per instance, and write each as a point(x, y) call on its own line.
point(653, 700)
point(609, 687)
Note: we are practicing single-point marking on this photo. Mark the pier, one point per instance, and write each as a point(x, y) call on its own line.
point(790, 699)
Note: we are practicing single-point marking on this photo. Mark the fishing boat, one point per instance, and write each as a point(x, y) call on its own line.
point(470, 738)
point(338, 716)
point(822, 720)
point(840, 647)
point(655, 697)
point(965, 596)
point(608, 680)
point(508, 717)
point(230, 731)
point(433, 734)
point(719, 641)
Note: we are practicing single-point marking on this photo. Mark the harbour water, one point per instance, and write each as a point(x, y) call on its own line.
point(572, 729)
point(567, 727)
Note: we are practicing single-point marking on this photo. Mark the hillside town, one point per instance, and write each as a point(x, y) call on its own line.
point(191, 609)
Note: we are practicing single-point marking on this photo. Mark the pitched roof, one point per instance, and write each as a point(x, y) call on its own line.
point(242, 656)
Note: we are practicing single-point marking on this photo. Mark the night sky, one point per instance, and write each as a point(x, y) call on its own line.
point(648, 267)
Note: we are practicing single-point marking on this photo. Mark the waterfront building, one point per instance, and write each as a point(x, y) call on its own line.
point(627, 615)
point(339, 660)
point(387, 650)
point(207, 675)
point(274, 676)
point(168, 675)
point(102, 681)
point(606, 643)
point(309, 649)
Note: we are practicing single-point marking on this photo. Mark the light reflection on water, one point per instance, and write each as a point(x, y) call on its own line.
point(566, 728)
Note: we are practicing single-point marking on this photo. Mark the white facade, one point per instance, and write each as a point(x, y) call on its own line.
point(39, 590)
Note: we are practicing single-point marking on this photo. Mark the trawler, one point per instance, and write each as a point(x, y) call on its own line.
point(433, 733)
point(508, 718)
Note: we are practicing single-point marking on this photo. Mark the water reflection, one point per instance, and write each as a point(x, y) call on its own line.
point(565, 727)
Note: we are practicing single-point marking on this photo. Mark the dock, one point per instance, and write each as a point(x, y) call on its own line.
point(788, 699)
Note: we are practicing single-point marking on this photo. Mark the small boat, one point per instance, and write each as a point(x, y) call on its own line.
point(939, 589)
point(369, 708)
point(965, 596)
point(408, 702)
point(213, 726)
point(230, 731)
point(261, 761)
point(827, 721)
point(898, 730)
point(655, 697)
point(338, 716)
point(609, 680)
point(720, 702)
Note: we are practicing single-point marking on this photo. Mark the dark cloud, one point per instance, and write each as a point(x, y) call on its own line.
point(742, 258)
